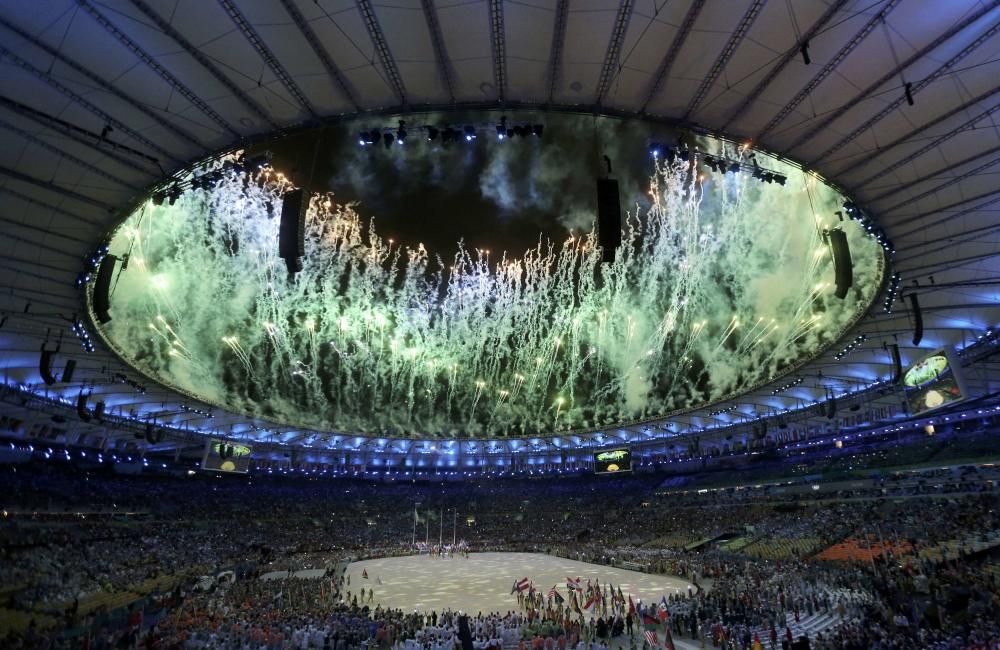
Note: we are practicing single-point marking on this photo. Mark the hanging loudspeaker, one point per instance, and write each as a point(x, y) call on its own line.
point(99, 411)
point(67, 375)
point(843, 267)
point(609, 218)
point(918, 319)
point(45, 365)
point(102, 289)
point(897, 364)
point(81, 406)
point(292, 230)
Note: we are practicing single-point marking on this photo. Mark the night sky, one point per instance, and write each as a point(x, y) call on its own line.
point(492, 194)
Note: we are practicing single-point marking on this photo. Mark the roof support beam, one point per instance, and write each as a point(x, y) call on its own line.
point(331, 68)
point(917, 87)
point(932, 145)
point(498, 41)
point(440, 50)
point(382, 49)
point(82, 136)
point(104, 85)
point(268, 57)
point(727, 53)
point(151, 62)
point(785, 60)
point(83, 164)
point(47, 206)
point(925, 177)
point(949, 182)
point(556, 52)
point(105, 117)
point(663, 70)
point(205, 62)
point(828, 69)
point(51, 187)
point(946, 208)
point(612, 55)
point(872, 156)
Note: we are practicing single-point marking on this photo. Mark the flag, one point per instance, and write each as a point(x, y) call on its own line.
point(662, 612)
point(364, 573)
point(552, 592)
point(559, 598)
point(573, 583)
point(520, 585)
point(651, 638)
point(668, 641)
point(631, 605)
point(591, 603)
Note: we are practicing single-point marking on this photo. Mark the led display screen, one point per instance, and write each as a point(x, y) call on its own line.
point(226, 457)
point(613, 461)
point(933, 382)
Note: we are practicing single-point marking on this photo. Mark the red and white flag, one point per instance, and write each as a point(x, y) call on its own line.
point(651, 639)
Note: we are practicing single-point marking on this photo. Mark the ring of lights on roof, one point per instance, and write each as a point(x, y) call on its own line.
point(722, 283)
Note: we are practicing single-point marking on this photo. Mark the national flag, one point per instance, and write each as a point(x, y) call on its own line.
point(652, 639)
point(573, 584)
point(648, 619)
point(662, 613)
point(552, 592)
point(559, 598)
point(631, 605)
point(668, 641)
point(364, 573)
point(591, 603)
point(520, 585)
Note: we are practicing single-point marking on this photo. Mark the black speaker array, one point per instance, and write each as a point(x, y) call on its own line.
point(897, 364)
point(45, 366)
point(99, 411)
point(67, 375)
point(843, 267)
point(292, 230)
point(102, 289)
point(609, 218)
point(81, 406)
point(918, 319)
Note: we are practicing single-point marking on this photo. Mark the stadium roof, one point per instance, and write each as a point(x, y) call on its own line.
point(896, 104)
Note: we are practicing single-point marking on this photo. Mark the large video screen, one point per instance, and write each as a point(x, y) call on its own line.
point(613, 461)
point(223, 456)
point(933, 382)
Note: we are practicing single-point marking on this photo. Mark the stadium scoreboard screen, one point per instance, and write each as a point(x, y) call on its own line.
point(613, 461)
point(933, 382)
point(226, 457)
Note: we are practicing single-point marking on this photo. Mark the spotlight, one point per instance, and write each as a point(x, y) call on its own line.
point(470, 133)
point(537, 130)
point(371, 137)
point(158, 198)
point(173, 194)
point(432, 134)
point(656, 149)
point(502, 128)
point(363, 138)
point(734, 167)
point(780, 179)
point(448, 135)
point(521, 131)
point(401, 133)
point(712, 163)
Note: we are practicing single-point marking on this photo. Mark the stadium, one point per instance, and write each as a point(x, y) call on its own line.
point(497, 325)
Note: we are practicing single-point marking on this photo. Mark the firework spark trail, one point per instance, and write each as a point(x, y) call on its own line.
point(379, 338)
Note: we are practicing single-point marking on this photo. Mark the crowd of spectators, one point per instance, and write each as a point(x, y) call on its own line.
point(71, 534)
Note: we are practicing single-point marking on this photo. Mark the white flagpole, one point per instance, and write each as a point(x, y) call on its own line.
point(454, 526)
point(441, 528)
point(413, 538)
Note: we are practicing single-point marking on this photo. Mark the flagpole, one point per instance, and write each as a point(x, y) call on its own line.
point(441, 528)
point(454, 526)
point(413, 537)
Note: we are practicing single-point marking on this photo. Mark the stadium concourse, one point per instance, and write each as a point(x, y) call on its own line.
point(499, 325)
